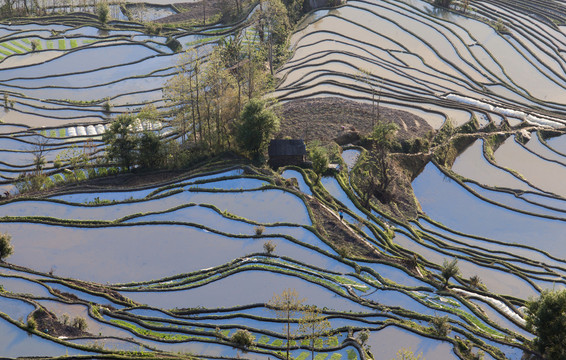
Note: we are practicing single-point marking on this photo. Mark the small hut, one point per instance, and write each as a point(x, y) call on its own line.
point(286, 152)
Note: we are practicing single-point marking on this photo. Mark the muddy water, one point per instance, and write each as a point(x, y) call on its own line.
point(246, 287)
point(81, 311)
point(17, 310)
point(22, 286)
point(83, 60)
point(392, 339)
point(287, 174)
point(350, 157)
point(515, 202)
point(543, 151)
point(252, 205)
point(122, 254)
point(15, 342)
point(558, 144)
point(465, 241)
point(544, 174)
point(456, 208)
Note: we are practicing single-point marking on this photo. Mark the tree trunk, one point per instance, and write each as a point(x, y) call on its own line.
point(197, 87)
point(271, 54)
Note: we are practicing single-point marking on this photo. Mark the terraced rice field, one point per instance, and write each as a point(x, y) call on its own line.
point(178, 268)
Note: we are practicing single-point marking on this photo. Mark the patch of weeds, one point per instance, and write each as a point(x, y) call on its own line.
point(352, 354)
point(277, 342)
point(336, 356)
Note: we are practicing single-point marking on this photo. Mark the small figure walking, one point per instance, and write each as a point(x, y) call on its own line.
point(341, 215)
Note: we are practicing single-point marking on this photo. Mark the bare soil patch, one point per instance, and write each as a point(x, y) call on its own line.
point(324, 118)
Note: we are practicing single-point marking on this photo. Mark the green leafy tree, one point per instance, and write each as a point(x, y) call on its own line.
point(294, 9)
point(449, 270)
point(150, 150)
point(273, 28)
point(546, 318)
point(287, 306)
point(313, 325)
point(319, 158)
point(257, 125)
point(121, 141)
point(103, 12)
point(383, 137)
point(375, 175)
point(6, 248)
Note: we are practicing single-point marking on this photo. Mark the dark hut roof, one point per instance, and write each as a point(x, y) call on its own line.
point(287, 147)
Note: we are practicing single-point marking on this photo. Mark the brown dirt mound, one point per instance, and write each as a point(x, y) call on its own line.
point(194, 12)
point(49, 324)
point(323, 118)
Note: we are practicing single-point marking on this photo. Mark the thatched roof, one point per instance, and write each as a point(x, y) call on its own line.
point(283, 147)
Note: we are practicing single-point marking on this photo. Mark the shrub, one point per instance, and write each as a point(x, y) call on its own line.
point(174, 45)
point(476, 282)
point(34, 44)
point(343, 252)
point(319, 158)
point(449, 269)
point(243, 339)
point(259, 230)
point(269, 247)
point(6, 248)
point(79, 323)
point(58, 178)
point(440, 326)
point(32, 324)
point(107, 106)
point(500, 27)
point(153, 28)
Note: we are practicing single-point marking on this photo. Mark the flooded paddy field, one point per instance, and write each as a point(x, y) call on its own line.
point(180, 267)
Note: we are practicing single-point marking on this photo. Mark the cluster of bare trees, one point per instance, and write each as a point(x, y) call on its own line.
point(208, 92)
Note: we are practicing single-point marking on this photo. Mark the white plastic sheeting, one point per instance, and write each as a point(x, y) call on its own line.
point(90, 130)
point(81, 131)
point(499, 305)
point(531, 119)
point(99, 129)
